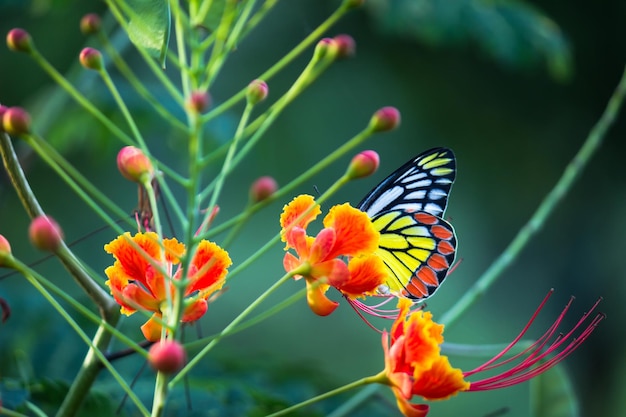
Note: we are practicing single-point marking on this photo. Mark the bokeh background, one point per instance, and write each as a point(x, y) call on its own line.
point(512, 88)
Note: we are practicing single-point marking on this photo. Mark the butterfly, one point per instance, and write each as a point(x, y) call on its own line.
point(416, 244)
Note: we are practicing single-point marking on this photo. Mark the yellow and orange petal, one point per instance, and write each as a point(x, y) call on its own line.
point(292, 212)
point(367, 273)
point(440, 382)
point(423, 338)
point(152, 328)
point(408, 409)
point(317, 300)
point(211, 263)
point(355, 233)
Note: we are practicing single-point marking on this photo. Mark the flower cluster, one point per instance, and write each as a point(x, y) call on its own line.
point(347, 232)
point(142, 276)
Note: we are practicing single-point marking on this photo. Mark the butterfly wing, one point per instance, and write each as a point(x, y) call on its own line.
point(416, 244)
point(422, 184)
point(417, 248)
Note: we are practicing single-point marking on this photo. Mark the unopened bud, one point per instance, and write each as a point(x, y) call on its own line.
point(346, 46)
point(16, 121)
point(19, 40)
point(263, 188)
point(385, 119)
point(45, 233)
point(91, 58)
point(90, 23)
point(326, 48)
point(134, 165)
point(363, 165)
point(257, 91)
point(199, 101)
point(353, 3)
point(167, 356)
point(5, 251)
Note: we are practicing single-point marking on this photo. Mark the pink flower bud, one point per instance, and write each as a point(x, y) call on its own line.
point(263, 188)
point(91, 58)
point(167, 356)
point(326, 48)
point(257, 91)
point(134, 165)
point(90, 23)
point(363, 165)
point(45, 233)
point(346, 46)
point(5, 248)
point(385, 119)
point(19, 40)
point(16, 121)
point(199, 101)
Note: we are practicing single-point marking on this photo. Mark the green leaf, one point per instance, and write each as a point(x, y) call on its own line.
point(552, 395)
point(511, 32)
point(149, 26)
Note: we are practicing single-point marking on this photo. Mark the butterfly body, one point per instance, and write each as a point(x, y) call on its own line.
point(416, 244)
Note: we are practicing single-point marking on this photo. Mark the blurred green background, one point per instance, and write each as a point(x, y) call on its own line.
point(498, 83)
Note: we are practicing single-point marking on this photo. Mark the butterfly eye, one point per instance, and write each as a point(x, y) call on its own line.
point(416, 244)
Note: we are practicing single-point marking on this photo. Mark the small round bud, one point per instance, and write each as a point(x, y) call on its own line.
point(257, 91)
point(5, 251)
point(45, 233)
point(91, 58)
point(16, 121)
point(3, 109)
point(263, 188)
point(199, 101)
point(19, 40)
point(353, 3)
point(134, 165)
point(385, 119)
point(346, 46)
point(90, 24)
point(326, 48)
point(363, 165)
point(167, 356)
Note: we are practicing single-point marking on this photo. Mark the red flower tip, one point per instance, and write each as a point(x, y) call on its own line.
point(134, 165)
point(90, 23)
point(363, 165)
point(257, 91)
point(385, 119)
point(45, 233)
point(91, 58)
point(263, 188)
point(199, 101)
point(167, 356)
point(16, 121)
point(346, 46)
point(5, 250)
point(19, 40)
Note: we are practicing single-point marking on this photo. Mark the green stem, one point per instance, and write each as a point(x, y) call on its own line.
point(356, 384)
point(545, 209)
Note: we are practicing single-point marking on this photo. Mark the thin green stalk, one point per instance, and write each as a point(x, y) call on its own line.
point(78, 97)
point(11, 413)
point(233, 324)
point(356, 384)
point(179, 30)
point(283, 62)
point(546, 208)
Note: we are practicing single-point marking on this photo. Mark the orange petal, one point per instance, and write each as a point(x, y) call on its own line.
point(423, 337)
point(173, 250)
point(138, 298)
point(290, 262)
point(195, 310)
point(335, 272)
point(212, 263)
point(355, 232)
point(132, 261)
point(441, 381)
point(408, 409)
point(293, 211)
point(152, 328)
point(318, 302)
point(367, 273)
point(322, 245)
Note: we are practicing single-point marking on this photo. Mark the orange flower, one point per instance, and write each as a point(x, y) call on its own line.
point(348, 232)
point(414, 364)
point(136, 282)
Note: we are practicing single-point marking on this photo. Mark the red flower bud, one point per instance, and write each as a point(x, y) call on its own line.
point(257, 91)
point(346, 46)
point(90, 23)
point(5, 247)
point(16, 121)
point(167, 356)
point(199, 101)
point(45, 233)
point(363, 165)
point(326, 48)
point(385, 119)
point(134, 165)
point(19, 40)
point(263, 188)
point(91, 58)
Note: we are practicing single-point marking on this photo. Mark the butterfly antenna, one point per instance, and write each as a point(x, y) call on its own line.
point(317, 190)
point(454, 266)
point(357, 306)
